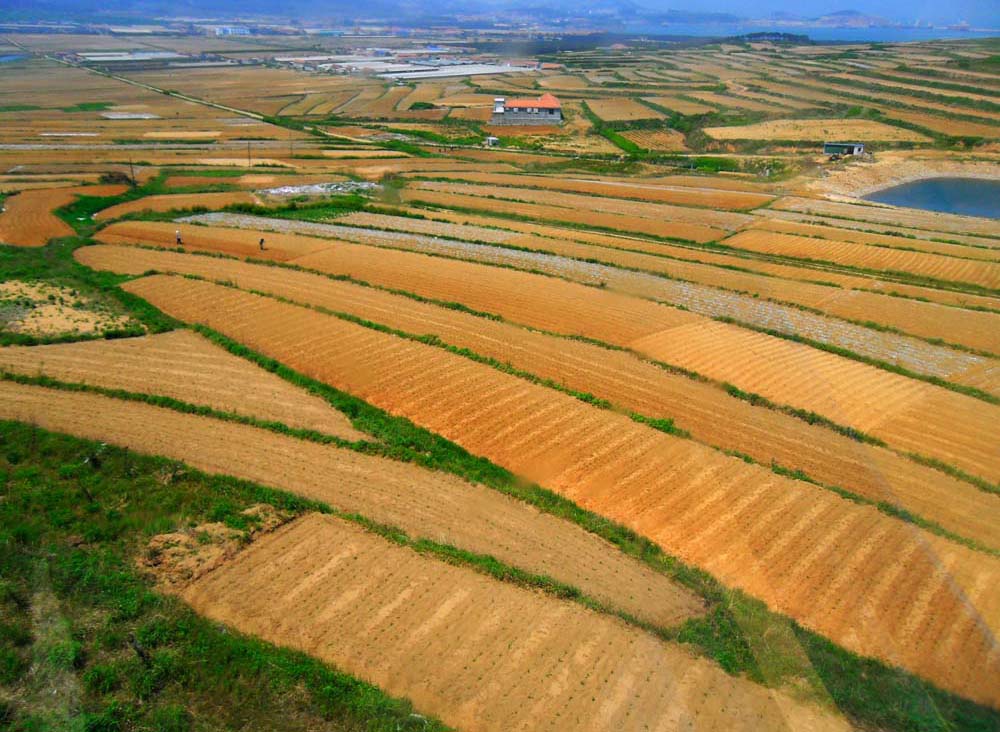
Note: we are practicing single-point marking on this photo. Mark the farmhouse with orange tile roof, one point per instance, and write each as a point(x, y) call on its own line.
point(546, 110)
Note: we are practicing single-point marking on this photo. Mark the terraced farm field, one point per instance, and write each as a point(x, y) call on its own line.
point(924, 220)
point(666, 488)
point(596, 673)
point(815, 130)
point(392, 621)
point(975, 329)
point(711, 415)
point(426, 503)
point(616, 110)
point(28, 219)
point(184, 366)
point(952, 269)
point(643, 419)
point(177, 201)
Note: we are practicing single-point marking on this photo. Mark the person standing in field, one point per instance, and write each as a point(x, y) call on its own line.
point(177, 235)
point(262, 243)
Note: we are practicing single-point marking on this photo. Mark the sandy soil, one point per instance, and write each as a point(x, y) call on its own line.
point(28, 219)
point(932, 611)
point(424, 503)
point(704, 410)
point(40, 309)
point(479, 654)
point(185, 366)
point(894, 168)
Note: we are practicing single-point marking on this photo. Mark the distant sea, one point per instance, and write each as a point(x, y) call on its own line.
point(864, 35)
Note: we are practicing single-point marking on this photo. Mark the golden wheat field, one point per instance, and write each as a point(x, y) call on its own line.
point(332, 399)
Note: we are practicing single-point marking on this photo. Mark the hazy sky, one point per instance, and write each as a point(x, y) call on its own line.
point(981, 12)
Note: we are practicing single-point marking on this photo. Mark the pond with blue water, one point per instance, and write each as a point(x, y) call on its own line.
point(968, 196)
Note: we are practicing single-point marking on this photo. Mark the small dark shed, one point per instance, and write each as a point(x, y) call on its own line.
point(843, 148)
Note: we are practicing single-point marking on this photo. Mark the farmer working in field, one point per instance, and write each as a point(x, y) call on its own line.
point(262, 243)
point(177, 234)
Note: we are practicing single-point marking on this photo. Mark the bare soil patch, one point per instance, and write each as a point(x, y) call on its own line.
point(41, 309)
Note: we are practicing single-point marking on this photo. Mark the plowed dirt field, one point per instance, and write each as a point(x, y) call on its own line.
point(182, 365)
point(585, 216)
point(917, 219)
point(683, 195)
point(978, 330)
point(885, 240)
point(984, 274)
point(28, 219)
point(707, 412)
point(423, 503)
point(794, 545)
point(476, 653)
point(176, 201)
point(867, 398)
point(621, 206)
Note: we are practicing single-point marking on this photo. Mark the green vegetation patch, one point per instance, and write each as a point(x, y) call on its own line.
point(89, 107)
point(74, 516)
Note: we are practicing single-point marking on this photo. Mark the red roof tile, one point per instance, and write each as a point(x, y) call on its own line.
point(546, 101)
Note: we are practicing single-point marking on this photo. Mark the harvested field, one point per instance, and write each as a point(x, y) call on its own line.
point(946, 126)
point(583, 217)
point(446, 638)
point(884, 240)
point(816, 130)
point(932, 611)
point(682, 195)
point(28, 219)
point(422, 502)
point(573, 309)
point(711, 415)
point(620, 109)
point(724, 101)
point(928, 220)
point(925, 264)
point(682, 106)
point(659, 140)
point(674, 214)
point(185, 366)
point(178, 201)
point(975, 329)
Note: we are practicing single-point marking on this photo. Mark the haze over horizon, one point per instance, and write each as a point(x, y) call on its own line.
point(980, 13)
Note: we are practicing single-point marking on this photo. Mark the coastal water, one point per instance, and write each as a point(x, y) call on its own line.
point(816, 33)
point(969, 196)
